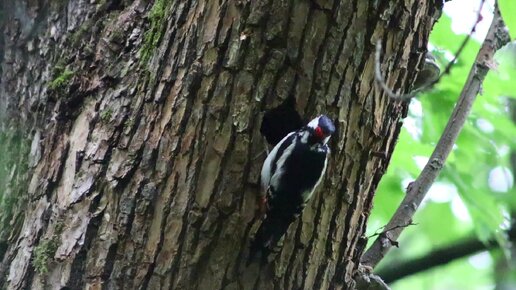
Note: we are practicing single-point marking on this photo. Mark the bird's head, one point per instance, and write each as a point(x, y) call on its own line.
point(320, 130)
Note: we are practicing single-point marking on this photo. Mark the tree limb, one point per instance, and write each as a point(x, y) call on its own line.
point(438, 257)
point(416, 191)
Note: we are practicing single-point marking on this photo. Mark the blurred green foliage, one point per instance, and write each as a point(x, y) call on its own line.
point(507, 8)
point(463, 200)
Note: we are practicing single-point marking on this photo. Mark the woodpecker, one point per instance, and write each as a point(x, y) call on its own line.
point(429, 73)
point(289, 176)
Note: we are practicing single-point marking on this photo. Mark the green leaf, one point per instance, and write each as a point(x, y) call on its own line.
point(508, 8)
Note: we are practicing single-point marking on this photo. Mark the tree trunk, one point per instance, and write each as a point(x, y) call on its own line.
point(141, 141)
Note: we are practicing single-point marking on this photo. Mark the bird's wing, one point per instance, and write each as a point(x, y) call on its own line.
point(270, 166)
point(308, 194)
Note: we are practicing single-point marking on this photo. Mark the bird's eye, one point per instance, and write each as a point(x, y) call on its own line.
point(319, 133)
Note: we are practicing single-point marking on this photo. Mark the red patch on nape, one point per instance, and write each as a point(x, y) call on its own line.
point(319, 133)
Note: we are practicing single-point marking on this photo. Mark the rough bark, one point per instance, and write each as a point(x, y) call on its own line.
point(143, 119)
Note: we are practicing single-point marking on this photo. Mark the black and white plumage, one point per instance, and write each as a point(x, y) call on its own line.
point(289, 176)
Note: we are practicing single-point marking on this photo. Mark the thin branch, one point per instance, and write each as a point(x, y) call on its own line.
point(438, 257)
point(365, 279)
point(378, 233)
point(462, 45)
point(416, 191)
point(435, 258)
point(381, 80)
point(379, 77)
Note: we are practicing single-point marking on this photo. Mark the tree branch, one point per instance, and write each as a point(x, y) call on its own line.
point(439, 257)
point(416, 191)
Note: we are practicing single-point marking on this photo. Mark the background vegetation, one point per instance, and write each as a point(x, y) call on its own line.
point(475, 194)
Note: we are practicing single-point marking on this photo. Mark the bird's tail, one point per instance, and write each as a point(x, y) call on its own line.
point(268, 235)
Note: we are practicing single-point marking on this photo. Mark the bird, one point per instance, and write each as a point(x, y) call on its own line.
point(428, 75)
point(290, 174)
